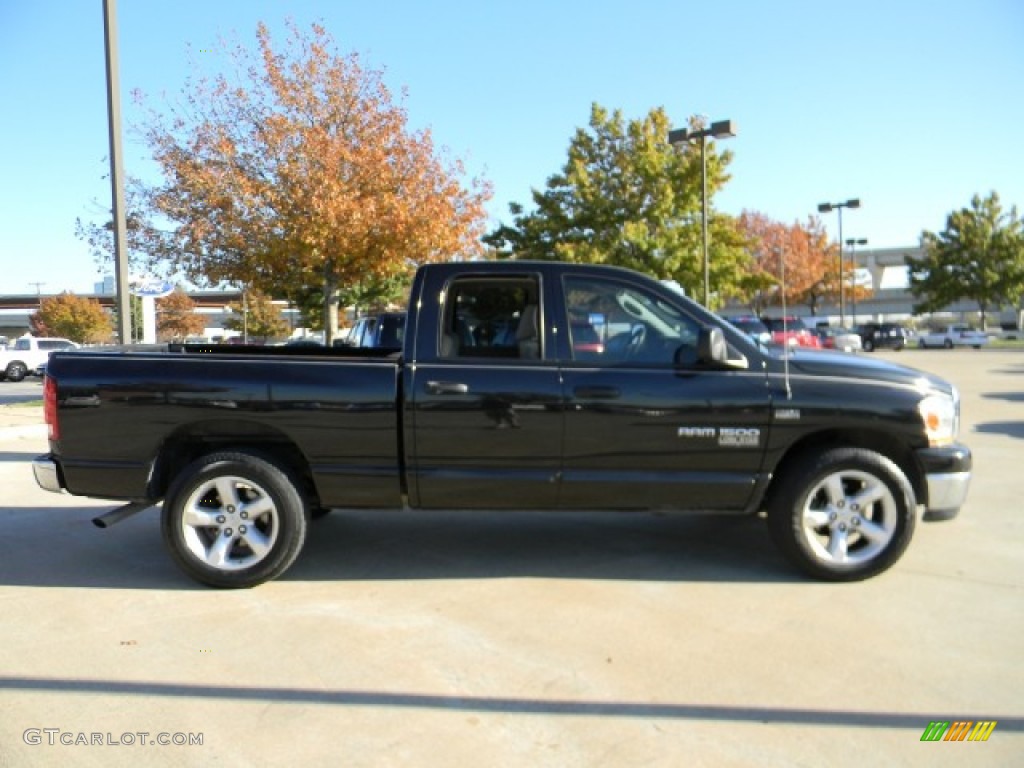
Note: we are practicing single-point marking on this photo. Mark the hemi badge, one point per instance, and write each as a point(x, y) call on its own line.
point(787, 413)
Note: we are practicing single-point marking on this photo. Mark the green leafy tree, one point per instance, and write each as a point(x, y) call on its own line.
point(256, 316)
point(979, 256)
point(176, 317)
point(627, 197)
point(72, 317)
point(134, 320)
point(377, 294)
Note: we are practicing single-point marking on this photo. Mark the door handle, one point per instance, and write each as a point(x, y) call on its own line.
point(597, 393)
point(447, 388)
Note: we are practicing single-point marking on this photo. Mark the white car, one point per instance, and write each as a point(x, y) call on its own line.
point(28, 354)
point(950, 336)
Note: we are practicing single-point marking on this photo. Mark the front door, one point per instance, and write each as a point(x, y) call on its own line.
point(643, 429)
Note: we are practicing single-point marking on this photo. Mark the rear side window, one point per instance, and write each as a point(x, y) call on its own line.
point(493, 317)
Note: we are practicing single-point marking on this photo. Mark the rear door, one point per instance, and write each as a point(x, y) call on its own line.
point(646, 427)
point(483, 396)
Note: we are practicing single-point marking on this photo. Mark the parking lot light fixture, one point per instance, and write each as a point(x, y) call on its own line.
point(721, 129)
point(838, 208)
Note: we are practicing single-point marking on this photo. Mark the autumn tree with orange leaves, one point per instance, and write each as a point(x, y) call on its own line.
point(72, 317)
point(176, 317)
point(301, 172)
point(811, 269)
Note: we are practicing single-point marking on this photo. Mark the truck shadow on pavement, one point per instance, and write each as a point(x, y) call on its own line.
point(60, 547)
point(637, 546)
point(387, 545)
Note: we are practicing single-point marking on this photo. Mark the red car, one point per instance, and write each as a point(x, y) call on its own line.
point(793, 333)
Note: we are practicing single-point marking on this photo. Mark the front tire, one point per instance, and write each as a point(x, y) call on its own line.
point(948, 344)
point(234, 520)
point(869, 345)
point(844, 515)
point(16, 371)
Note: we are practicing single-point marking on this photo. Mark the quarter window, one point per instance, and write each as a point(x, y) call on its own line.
point(492, 318)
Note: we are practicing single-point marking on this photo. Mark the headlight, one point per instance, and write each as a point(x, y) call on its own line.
point(939, 415)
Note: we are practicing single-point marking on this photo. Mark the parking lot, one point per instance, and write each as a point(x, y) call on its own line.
point(522, 639)
point(27, 390)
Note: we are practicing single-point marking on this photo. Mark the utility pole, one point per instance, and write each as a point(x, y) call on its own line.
point(39, 294)
point(124, 310)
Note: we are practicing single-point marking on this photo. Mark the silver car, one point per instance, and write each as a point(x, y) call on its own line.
point(839, 338)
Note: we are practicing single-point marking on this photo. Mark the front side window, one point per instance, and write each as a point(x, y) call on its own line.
point(492, 318)
point(613, 323)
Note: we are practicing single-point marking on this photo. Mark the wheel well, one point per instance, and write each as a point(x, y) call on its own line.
point(186, 445)
point(880, 442)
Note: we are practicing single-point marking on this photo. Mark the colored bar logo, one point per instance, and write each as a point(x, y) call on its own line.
point(960, 730)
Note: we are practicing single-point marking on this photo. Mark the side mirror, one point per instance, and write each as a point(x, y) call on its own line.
point(711, 350)
point(711, 346)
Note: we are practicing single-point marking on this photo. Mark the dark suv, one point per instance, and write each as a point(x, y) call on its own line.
point(886, 335)
point(383, 331)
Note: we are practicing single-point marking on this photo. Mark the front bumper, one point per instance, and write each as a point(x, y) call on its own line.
point(947, 473)
point(47, 474)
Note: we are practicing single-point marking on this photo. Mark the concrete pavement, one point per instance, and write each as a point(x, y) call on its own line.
point(455, 639)
point(21, 420)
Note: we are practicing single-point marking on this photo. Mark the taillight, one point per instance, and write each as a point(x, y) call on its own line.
point(50, 408)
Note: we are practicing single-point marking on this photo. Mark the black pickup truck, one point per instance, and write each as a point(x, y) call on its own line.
point(519, 386)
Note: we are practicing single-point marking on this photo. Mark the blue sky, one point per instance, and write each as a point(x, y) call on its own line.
point(911, 106)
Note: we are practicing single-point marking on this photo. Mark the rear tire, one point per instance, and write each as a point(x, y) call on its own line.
point(948, 344)
point(869, 345)
point(843, 515)
point(234, 520)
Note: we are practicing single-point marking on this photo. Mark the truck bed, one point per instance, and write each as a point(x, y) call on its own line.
point(338, 410)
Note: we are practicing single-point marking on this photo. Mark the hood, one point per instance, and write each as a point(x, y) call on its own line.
point(811, 362)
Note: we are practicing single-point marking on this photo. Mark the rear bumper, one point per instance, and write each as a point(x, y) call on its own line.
point(47, 474)
point(947, 477)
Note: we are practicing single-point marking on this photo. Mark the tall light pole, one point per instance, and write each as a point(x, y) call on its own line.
point(852, 244)
point(124, 311)
point(722, 129)
point(838, 207)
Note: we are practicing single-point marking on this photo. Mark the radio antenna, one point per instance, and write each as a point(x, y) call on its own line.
point(785, 327)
